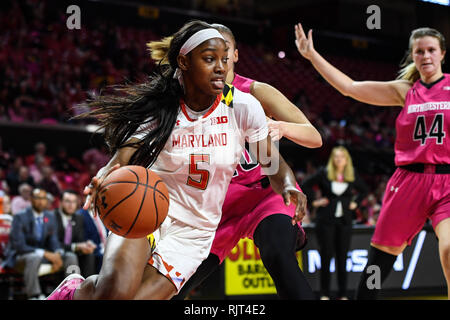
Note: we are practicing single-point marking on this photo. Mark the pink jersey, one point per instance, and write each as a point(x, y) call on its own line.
point(247, 201)
point(248, 170)
point(242, 83)
point(424, 123)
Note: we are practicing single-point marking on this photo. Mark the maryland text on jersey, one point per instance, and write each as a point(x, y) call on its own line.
point(199, 140)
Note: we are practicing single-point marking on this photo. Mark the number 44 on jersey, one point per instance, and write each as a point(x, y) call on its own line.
point(436, 130)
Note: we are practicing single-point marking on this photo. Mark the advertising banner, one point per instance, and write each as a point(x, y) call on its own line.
point(245, 273)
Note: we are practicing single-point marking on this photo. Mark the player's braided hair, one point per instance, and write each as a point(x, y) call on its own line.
point(130, 106)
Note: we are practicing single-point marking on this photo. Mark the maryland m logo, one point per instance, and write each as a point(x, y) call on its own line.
point(227, 95)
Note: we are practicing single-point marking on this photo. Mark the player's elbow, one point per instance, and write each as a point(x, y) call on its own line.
point(312, 141)
point(314, 144)
point(349, 88)
point(317, 143)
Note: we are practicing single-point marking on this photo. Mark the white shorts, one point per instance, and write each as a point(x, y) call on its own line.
point(179, 249)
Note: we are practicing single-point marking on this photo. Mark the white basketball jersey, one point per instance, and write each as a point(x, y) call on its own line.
point(200, 156)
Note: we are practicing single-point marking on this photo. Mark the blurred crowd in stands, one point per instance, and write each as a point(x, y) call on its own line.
point(46, 70)
point(53, 173)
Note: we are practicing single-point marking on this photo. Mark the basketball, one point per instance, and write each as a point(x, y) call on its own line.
point(132, 202)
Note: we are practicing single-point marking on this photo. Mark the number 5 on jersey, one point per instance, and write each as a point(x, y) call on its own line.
point(194, 159)
point(436, 130)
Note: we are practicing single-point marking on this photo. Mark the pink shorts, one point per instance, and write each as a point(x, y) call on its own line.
point(409, 200)
point(243, 209)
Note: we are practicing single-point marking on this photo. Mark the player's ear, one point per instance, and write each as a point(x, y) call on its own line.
point(235, 56)
point(183, 62)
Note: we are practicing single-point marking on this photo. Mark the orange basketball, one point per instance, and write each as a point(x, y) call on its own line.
point(132, 202)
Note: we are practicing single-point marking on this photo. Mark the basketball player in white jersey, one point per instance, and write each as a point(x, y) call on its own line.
point(189, 127)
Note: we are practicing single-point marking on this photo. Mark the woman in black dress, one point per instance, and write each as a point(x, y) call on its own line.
point(338, 182)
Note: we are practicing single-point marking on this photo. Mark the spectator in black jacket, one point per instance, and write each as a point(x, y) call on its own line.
point(338, 183)
point(71, 234)
point(95, 231)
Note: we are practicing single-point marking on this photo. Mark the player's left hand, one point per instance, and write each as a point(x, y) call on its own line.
point(299, 199)
point(90, 191)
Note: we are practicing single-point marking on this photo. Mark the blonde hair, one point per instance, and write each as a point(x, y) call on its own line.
point(408, 69)
point(159, 50)
point(349, 171)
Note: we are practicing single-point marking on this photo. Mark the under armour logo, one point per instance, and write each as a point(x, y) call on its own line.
point(113, 225)
point(104, 204)
point(178, 122)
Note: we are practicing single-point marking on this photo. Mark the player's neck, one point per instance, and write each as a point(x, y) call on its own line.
point(230, 76)
point(431, 78)
point(196, 99)
point(199, 103)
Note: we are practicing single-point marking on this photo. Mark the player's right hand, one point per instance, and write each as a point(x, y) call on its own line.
point(90, 191)
point(304, 44)
point(275, 129)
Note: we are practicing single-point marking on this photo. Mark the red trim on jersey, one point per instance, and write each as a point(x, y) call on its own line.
point(213, 107)
point(168, 267)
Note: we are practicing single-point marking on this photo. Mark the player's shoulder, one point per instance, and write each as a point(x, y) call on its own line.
point(236, 98)
point(401, 84)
